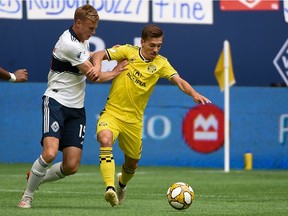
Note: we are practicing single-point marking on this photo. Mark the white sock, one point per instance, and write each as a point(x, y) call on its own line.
point(54, 173)
point(37, 174)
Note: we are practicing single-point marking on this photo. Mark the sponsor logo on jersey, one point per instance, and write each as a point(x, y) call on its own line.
point(137, 73)
point(79, 54)
point(136, 79)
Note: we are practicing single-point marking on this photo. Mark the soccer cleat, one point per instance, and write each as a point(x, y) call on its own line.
point(111, 197)
point(25, 202)
point(121, 192)
point(27, 175)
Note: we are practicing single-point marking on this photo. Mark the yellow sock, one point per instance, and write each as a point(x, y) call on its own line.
point(127, 174)
point(107, 166)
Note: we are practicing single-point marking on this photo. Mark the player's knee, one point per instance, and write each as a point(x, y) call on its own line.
point(131, 164)
point(104, 140)
point(70, 169)
point(49, 155)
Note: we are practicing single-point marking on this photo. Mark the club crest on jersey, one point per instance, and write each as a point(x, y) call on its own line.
point(152, 68)
point(103, 124)
point(55, 126)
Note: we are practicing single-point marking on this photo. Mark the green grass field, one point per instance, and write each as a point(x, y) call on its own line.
point(216, 193)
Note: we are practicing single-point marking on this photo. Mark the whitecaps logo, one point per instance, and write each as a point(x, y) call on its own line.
point(55, 126)
point(281, 62)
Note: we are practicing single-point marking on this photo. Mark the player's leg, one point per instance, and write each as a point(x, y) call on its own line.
point(69, 166)
point(130, 141)
point(38, 170)
point(55, 172)
point(71, 145)
point(71, 160)
point(106, 135)
point(107, 165)
point(51, 125)
point(128, 171)
point(106, 159)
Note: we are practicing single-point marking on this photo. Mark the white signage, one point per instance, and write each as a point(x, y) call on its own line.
point(52, 9)
point(183, 11)
point(285, 10)
point(11, 9)
point(138, 11)
point(122, 10)
point(283, 128)
point(111, 10)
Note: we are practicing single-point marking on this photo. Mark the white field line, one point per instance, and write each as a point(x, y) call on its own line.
point(137, 195)
point(97, 193)
point(23, 175)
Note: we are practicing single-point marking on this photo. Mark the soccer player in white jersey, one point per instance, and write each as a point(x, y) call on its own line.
point(20, 75)
point(123, 114)
point(64, 118)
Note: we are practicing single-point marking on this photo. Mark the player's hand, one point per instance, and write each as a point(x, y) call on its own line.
point(21, 75)
point(200, 99)
point(93, 74)
point(120, 67)
point(116, 45)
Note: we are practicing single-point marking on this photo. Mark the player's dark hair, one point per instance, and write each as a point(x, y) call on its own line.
point(86, 12)
point(151, 31)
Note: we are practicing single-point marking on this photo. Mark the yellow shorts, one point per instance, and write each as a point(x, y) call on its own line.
point(129, 134)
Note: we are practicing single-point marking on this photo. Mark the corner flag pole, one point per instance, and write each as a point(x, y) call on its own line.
point(226, 108)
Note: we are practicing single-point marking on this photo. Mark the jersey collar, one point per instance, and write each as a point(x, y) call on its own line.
point(73, 33)
point(142, 57)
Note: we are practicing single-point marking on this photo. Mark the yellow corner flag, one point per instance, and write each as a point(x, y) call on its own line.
point(220, 70)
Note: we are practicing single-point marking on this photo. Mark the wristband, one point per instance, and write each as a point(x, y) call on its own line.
point(13, 77)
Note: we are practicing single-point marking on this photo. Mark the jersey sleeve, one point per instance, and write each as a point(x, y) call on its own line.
point(117, 53)
point(75, 54)
point(168, 71)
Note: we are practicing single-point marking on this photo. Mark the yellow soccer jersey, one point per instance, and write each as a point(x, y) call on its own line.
point(130, 91)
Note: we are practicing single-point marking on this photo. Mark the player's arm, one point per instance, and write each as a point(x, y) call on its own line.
point(94, 74)
point(184, 86)
point(119, 68)
point(98, 57)
point(20, 75)
point(87, 69)
point(4, 75)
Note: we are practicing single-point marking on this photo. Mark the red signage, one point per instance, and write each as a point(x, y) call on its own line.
point(203, 128)
point(249, 5)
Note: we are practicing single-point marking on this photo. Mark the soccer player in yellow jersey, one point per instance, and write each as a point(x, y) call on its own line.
point(122, 116)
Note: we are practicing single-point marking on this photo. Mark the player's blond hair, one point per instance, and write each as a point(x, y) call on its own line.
point(86, 12)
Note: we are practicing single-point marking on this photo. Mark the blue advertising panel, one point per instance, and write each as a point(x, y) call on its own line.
point(176, 132)
point(194, 35)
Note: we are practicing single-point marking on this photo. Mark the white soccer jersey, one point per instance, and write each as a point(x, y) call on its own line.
point(66, 83)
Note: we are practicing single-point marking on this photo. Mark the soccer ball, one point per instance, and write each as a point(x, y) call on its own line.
point(180, 195)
